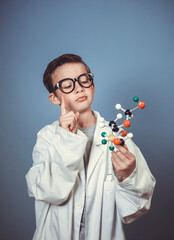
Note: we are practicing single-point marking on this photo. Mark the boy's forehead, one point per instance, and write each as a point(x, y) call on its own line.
point(68, 70)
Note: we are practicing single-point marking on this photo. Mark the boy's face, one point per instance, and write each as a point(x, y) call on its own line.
point(80, 99)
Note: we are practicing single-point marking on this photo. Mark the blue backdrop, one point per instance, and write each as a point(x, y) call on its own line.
point(129, 46)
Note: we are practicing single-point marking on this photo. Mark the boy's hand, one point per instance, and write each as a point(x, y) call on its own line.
point(123, 161)
point(68, 120)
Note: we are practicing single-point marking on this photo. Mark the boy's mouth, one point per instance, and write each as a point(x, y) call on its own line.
point(81, 99)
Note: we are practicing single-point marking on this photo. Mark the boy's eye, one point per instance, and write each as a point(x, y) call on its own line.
point(84, 81)
point(67, 87)
point(67, 84)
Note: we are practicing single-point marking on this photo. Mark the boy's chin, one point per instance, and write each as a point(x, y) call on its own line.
point(83, 110)
point(80, 107)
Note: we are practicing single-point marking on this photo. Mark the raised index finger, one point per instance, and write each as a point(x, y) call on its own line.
point(63, 107)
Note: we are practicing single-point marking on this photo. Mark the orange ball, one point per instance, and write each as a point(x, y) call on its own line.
point(123, 133)
point(117, 141)
point(127, 123)
point(112, 138)
point(141, 105)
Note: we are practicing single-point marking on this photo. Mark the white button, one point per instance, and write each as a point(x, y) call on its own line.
point(79, 205)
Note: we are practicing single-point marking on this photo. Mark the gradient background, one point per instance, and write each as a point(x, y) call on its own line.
point(129, 46)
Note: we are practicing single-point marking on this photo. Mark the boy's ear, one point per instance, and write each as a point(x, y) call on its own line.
point(54, 99)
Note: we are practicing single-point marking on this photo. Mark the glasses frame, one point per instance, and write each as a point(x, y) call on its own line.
point(57, 86)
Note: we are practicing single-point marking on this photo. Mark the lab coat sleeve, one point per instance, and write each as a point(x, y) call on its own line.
point(134, 194)
point(57, 157)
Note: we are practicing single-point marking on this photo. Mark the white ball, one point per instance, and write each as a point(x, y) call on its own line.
point(119, 115)
point(101, 125)
point(118, 106)
point(102, 119)
point(130, 135)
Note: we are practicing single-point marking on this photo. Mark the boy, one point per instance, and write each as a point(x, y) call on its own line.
point(73, 199)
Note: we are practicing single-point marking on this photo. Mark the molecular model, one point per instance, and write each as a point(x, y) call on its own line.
point(117, 134)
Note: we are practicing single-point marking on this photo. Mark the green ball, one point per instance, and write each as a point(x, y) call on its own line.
point(135, 99)
point(111, 148)
point(103, 134)
point(104, 141)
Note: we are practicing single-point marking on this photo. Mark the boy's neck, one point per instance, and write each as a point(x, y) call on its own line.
point(87, 119)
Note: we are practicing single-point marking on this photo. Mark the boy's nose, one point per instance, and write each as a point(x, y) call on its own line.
point(78, 88)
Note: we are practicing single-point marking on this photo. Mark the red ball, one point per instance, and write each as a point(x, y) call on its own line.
point(123, 133)
point(117, 141)
point(141, 105)
point(127, 123)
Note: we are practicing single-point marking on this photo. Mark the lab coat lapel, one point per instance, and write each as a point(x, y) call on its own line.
point(95, 155)
point(97, 148)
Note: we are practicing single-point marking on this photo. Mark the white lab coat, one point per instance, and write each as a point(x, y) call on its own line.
point(57, 182)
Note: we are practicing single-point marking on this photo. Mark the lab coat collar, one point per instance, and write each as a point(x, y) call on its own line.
point(97, 135)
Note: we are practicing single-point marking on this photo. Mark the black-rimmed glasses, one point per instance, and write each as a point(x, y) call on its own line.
point(67, 85)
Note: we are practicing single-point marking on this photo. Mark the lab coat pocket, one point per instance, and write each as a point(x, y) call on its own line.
point(108, 210)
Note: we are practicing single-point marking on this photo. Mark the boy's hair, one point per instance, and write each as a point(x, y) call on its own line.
point(57, 62)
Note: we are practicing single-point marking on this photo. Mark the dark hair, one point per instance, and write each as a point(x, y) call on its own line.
point(57, 62)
